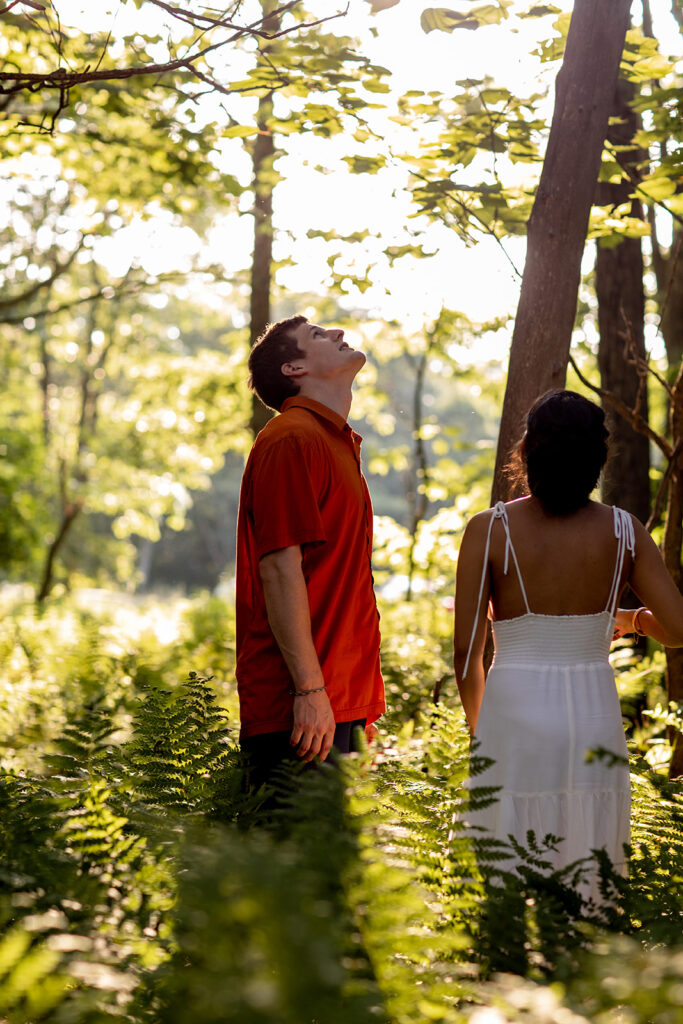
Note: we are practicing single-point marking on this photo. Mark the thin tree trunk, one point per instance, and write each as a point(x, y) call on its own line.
point(647, 19)
point(68, 517)
point(559, 218)
point(261, 269)
point(672, 547)
point(619, 284)
point(418, 497)
point(263, 158)
point(621, 312)
point(45, 380)
point(669, 273)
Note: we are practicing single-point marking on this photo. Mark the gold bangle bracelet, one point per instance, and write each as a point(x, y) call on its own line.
point(635, 622)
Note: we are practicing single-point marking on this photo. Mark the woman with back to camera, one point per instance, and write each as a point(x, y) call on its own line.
point(553, 565)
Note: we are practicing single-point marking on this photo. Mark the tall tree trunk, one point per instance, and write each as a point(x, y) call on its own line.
point(619, 284)
point(263, 158)
point(559, 218)
point(621, 311)
point(669, 273)
point(671, 549)
point(419, 473)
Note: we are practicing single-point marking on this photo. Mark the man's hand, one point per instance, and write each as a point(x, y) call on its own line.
point(313, 732)
point(371, 731)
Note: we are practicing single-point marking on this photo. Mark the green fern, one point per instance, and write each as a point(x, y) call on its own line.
point(180, 749)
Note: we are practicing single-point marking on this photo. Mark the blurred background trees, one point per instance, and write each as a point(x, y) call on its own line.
point(152, 227)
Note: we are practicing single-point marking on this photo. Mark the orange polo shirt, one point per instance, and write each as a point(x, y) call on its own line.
point(303, 485)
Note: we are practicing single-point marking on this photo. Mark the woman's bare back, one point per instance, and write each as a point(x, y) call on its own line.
point(567, 562)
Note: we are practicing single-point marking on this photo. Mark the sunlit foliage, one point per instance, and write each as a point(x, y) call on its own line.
point(139, 878)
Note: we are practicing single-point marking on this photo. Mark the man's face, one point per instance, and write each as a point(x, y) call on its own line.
point(326, 354)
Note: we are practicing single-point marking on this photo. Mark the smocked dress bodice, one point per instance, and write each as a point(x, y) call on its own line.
point(534, 639)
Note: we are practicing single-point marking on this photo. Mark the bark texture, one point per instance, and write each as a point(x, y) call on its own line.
point(263, 155)
point(669, 272)
point(559, 219)
point(671, 549)
point(418, 477)
point(619, 283)
point(621, 312)
point(263, 158)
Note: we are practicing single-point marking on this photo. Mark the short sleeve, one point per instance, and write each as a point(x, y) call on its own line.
point(287, 479)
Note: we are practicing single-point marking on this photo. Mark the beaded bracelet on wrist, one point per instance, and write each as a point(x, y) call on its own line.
point(305, 693)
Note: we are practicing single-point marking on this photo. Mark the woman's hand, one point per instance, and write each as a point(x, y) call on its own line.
point(623, 622)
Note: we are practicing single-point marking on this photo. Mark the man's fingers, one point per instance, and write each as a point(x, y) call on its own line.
point(326, 747)
point(304, 743)
point(295, 738)
point(313, 747)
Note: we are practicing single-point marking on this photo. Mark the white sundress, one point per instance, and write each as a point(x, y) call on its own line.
point(550, 699)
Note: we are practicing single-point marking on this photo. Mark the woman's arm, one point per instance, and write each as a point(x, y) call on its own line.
point(468, 581)
point(627, 619)
point(662, 617)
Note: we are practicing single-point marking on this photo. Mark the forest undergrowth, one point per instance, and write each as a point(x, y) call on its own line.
point(141, 881)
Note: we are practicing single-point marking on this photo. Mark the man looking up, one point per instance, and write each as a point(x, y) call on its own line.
point(308, 670)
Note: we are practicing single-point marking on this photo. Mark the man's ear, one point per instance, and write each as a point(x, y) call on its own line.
point(296, 369)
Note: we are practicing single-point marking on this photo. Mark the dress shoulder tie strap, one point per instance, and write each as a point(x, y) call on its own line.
point(499, 512)
point(626, 541)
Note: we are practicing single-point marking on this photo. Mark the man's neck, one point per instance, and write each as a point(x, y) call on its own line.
point(335, 398)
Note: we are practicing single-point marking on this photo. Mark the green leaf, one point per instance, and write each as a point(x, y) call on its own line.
point(374, 86)
point(658, 188)
point(365, 164)
point(446, 20)
point(656, 66)
point(381, 5)
point(240, 131)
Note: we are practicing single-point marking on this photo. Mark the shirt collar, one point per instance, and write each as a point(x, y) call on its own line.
point(323, 411)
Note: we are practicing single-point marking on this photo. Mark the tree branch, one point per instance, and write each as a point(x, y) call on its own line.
point(59, 269)
point(133, 288)
point(24, 3)
point(62, 80)
point(193, 18)
point(637, 421)
point(660, 497)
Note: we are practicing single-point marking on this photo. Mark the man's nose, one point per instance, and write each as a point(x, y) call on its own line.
point(337, 333)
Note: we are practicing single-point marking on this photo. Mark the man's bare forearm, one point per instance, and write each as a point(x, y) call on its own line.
point(289, 616)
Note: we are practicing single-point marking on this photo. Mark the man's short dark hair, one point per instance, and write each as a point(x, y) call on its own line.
point(275, 347)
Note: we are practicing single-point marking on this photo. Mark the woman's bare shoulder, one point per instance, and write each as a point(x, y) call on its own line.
point(530, 507)
point(479, 523)
point(605, 515)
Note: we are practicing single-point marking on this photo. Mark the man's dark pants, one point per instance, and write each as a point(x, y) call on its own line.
point(271, 750)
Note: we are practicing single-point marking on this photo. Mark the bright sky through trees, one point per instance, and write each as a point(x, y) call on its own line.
point(477, 280)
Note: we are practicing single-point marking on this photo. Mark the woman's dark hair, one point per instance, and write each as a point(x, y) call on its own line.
point(563, 450)
point(276, 346)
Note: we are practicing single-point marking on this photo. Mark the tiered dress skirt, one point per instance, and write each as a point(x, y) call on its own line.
point(551, 722)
